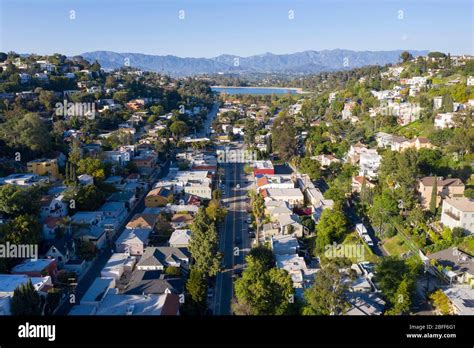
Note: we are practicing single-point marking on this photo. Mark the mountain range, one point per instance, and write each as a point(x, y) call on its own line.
point(300, 63)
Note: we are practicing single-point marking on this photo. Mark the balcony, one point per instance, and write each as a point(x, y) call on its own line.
point(452, 215)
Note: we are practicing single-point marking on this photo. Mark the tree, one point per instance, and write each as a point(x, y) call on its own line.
point(250, 127)
point(441, 302)
point(17, 200)
point(265, 255)
point(87, 197)
point(178, 129)
point(402, 299)
point(27, 132)
point(311, 167)
point(434, 197)
point(406, 56)
point(284, 137)
point(258, 209)
point(263, 292)
point(26, 300)
point(203, 244)
point(91, 166)
point(215, 211)
point(326, 295)
point(332, 227)
point(395, 277)
point(382, 210)
point(23, 229)
point(196, 287)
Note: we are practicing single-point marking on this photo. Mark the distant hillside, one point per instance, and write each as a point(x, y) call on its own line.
point(307, 62)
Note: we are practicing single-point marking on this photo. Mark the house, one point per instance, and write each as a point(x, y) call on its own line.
point(96, 235)
point(290, 224)
point(60, 249)
point(9, 282)
point(437, 102)
point(274, 181)
point(359, 181)
point(158, 258)
point(128, 198)
point(444, 120)
point(117, 264)
point(51, 227)
point(263, 167)
point(454, 265)
point(121, 157)
point(277, 208)
point(114, 210)
point(184, 208)
point(461, 298)
point(133, 241)
point(470, 81)
point(158, 197)
point(44, 167)
point(294, 265)
point(153, 282)
point(284, 244)
point(89, 218)
point(180, 238)
point(446, 188)
point(143, 221)
point(36, 268)
point(24, 78)
point(417, 144)
point(97, 290)
point(24, 179)
point(53, 206)
point(364, 303)
point(353, 155)
point(181, 220)
point(369, 163)
point(326, 160)
point(458, 212)
point(114, 303)
point(293, 196)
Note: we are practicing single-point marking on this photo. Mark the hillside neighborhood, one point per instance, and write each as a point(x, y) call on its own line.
point(137, 193)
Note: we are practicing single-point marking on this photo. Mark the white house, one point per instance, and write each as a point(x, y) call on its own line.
point(458, 212)
point(133, 241)
point(117, 265)
point(444, 120)
point(293, 196)
point(369, 163)
point(180, 238)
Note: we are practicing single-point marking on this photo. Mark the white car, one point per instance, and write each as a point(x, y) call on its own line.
point(237, 186)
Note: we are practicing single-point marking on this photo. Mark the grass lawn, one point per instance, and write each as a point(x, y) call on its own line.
point(468, 246)
point(417, 128)
point(395, 245)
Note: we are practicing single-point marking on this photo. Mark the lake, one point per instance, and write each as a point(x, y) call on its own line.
point(255, 90)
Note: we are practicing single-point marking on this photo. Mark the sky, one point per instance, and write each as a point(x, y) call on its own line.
point(208, 28)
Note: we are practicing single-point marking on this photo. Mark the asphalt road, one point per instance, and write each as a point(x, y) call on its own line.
point(205, 131)
point(233, 227)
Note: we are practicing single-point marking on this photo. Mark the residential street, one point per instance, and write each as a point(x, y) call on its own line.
point(100, 261)
point(234, 241)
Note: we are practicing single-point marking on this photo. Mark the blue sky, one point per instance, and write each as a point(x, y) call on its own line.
point(241, 27)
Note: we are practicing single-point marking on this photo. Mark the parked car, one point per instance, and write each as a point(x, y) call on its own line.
point(249, 220)
point(251, 234)
point(210, 293)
